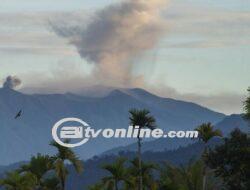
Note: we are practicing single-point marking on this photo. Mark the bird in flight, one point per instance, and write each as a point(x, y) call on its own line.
point(18, 114)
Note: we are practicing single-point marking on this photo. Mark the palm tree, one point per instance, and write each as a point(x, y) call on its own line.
point(188, 177)
point(147, 175)
point(64, 155)
point(16, 181)
point(170, 178)
point(247, 106)
point(141, 119)
point(118, 173)
point(192, 175)
point(39, 165)
point(206, 133)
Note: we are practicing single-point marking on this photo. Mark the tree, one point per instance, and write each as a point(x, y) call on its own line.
point(64, 155)
point(147, 175)
point(231, 161)
point(170, 178)
point(16, 181)
point(98, 186)
point(192, 175)
point(39, 165)
point(247, 107)
point(206, 133)
point(185, 178)
point(142, 119)
point(50, 184)
point(118, 173)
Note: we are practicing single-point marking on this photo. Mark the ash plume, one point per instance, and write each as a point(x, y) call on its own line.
point(116, 36)
point(12, 82)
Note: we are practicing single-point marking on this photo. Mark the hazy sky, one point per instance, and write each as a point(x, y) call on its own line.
point(203, 57)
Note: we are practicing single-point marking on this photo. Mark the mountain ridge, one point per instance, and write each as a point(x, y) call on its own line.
point(31, 133)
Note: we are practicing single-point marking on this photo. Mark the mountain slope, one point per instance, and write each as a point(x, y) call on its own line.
point(31, 133)
point(231, 122)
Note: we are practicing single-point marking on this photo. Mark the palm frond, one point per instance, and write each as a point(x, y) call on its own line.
point(142, 118)
point(207, 132)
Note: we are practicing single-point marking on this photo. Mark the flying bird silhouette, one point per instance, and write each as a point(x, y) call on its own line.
point(18, 114)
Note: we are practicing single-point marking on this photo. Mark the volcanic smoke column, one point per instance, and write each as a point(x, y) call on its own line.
point(12, 82)
point(116, 36)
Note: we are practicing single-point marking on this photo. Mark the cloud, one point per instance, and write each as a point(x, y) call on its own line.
point(226, 102)
point(116, 36)
point(28, 33)
point(206, 26)
point(12, 82)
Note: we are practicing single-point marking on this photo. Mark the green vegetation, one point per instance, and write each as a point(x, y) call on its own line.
point(231, 161)
point(17, 181)
point(185, 178)
point(118, 174)
point(124, 175)
point(43, 172)
point(156, 177)
point(146, 173)
point(38, 166)
point(64, 154)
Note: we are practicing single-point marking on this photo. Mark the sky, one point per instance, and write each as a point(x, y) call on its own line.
point(202, 56)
